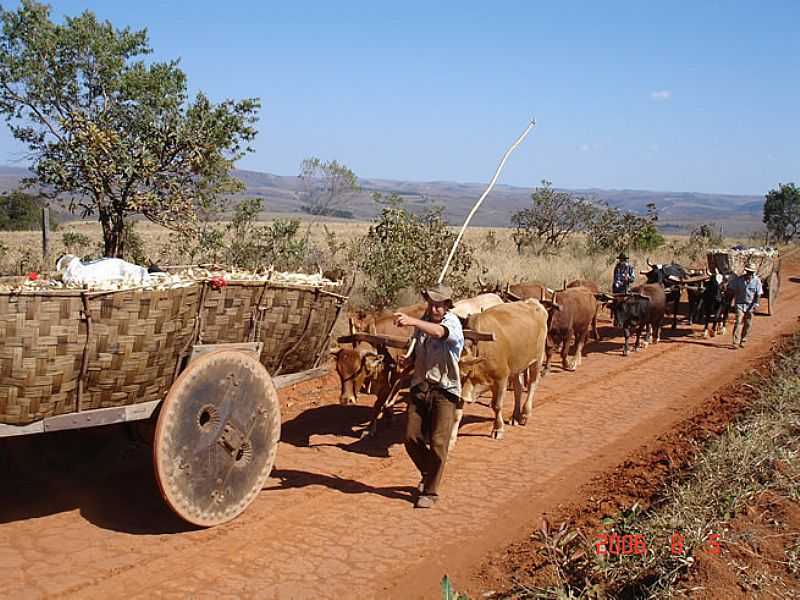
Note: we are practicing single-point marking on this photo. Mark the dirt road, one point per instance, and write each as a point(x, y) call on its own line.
point(80, 514)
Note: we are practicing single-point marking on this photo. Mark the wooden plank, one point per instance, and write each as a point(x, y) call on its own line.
point(478, 336)
point(392, 341)
point(252, 348)
point(283, 381)
point(82, 420)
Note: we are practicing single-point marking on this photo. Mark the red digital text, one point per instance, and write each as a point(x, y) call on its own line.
point(614, 544)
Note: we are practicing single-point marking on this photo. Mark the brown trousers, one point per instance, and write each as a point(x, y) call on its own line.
point(431, 414)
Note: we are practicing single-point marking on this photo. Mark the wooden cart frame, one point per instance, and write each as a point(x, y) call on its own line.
point(768, 269)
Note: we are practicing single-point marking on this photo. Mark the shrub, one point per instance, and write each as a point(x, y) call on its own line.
point(404, 250)
point(701, 238)
point(20, 211)
point(613, 230)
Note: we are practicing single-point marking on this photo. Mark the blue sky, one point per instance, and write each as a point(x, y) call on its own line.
point(678, 96)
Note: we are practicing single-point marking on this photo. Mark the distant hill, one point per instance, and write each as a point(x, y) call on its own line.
point(677, 210)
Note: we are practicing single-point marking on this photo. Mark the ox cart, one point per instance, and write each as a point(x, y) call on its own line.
point(767, 262)
point(202, 361)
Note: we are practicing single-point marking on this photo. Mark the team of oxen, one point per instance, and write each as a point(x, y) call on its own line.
point(513, 330)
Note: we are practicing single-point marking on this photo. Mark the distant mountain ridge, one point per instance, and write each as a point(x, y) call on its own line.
point(677, 210)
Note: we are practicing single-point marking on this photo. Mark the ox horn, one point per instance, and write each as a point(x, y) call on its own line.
point(481, 282)
point(352, 326)
point(649, 264)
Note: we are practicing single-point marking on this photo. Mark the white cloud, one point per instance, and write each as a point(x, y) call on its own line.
point(661, 95)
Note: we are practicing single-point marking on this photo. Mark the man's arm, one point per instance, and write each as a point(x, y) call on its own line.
point(432, 329)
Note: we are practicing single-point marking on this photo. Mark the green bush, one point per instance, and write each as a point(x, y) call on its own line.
point(403, 250)
point(613, 230)
point(22, 212)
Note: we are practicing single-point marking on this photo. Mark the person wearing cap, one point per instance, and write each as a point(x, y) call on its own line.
point(435, 392)
point(746, 290)
point(624, 275)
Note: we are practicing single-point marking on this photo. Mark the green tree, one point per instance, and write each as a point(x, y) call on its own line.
point(782, 212)
point(403, 250)
point(326, 187)
point(613, 230)
point(21, 211)
point(551, 220)
point(116, 134)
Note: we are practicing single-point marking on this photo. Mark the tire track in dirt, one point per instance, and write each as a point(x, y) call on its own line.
point(336, 520)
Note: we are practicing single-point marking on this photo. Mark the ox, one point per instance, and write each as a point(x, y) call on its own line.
point(570, 315)
point(716, 304)
point(671, 277)
point(464, 309)
point(517, 291)
point(595, 289)
point(642, 307)
point(520, 330)
point(365, 368)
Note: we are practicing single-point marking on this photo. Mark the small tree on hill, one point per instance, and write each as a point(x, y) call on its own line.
point(553, 218)
point(326, 187)
point(21, 211)
point(117, 134)
point(782, 212)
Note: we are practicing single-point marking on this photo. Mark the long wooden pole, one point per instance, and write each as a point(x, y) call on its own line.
point(45, 239)
point(503, 160)
point(485, 193)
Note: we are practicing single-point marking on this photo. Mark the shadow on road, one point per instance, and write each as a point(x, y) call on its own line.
point(290, 478)
point(100, 472)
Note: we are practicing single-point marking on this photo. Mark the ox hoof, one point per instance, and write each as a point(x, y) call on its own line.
point(367, 433)
point(522, 421)
point(497, 434)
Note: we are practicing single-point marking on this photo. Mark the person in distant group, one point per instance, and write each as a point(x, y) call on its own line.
point(746, 290)
point(435, 388)
point(624, 275)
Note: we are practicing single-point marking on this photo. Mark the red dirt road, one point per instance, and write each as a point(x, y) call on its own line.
point(82, 516)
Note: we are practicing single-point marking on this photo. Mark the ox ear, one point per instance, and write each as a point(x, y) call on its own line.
point(335, 351)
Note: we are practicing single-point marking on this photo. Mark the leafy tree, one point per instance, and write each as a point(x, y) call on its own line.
point(403, 250)
point(782, 212)
point(553, 218)
point(116, 134)
point(613, 230)
point(701, 238)
point(21, 211)
point(326, 186)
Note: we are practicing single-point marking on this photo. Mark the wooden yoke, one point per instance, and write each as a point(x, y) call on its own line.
point(394, 341)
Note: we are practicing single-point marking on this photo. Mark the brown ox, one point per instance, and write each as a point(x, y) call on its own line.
point(595, 289)
point(570, 317)
point(517, 291)
point(365, 368)
point(520, 329)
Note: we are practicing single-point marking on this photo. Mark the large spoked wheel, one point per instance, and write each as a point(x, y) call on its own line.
point(774, 288)
point(216, 437)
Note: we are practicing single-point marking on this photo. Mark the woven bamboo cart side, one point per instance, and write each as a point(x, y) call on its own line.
point(293, 322)
point(71, 351)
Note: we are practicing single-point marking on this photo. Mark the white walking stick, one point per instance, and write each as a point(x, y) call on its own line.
point(475, 208)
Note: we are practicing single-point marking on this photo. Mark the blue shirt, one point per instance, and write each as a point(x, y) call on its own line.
point(746, 293)
point(436, 359)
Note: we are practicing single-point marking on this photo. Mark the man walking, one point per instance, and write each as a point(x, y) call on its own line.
point(435, 388)
point(624, 275)
point(746, 290)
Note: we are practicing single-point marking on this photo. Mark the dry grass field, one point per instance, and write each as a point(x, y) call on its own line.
point(495, 254)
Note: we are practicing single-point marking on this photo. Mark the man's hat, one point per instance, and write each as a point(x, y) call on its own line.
point(622, 256)
point(750, 268)
point(438, 293)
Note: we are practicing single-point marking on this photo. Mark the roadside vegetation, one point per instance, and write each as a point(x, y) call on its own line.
point(727, 527)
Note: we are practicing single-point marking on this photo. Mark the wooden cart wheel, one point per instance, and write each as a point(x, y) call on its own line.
point(774, 288)
point(216, 437)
